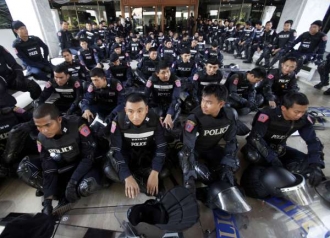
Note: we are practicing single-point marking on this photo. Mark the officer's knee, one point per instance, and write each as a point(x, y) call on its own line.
point(88, 186)
point(29, 173)
point(259, 99)
point(109, 169)
point(33, 88)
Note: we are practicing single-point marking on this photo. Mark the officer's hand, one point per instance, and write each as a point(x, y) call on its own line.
point(152, 184)
point(131, 187)
point(71, 191)
point(88, 115)
point(315, 174)
point(226, 173)
point(272, 104)
point(168, 123)
point(99, 66)
point(276, 162)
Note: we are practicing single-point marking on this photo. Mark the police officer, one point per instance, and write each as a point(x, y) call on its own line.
point(12, 77)
point(184, 42)
point(244, 40)
point(281, 81)
point(88, 34)
point(103, 33)
point(312, 45)
point(69, 89)
point(201, 45)
point(324, 71)
point(168, 52)
point(28, 49)
point(205, 127)
point(138, 148)
point(209, 75)
point(134, 48)
point(144, 53)
point(229, 35)
point(267, 39)
point(122, 54)
point(147, 66)
point(104, 96)
point(241, 89)
point(214, 52)
point(67, 158)
point(184, 67)
point(65, 38)
point(283, 42)
point(101, 48)
point(88, 56)
point(13, 146)
point(120, 71)
point(266, 144)
point(75, 69)
point(165, 89)
point(258, 31)
point(220, 35)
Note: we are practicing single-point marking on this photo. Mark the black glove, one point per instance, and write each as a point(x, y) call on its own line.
point(276, 162)
point(315, 174)
point(71, 191)
point(226, 173)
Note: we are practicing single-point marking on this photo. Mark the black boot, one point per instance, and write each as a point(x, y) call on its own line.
point(39, 193)
point(242, 129)
point(320, 85)
point(248, 61)
point(62, 207)
point(48, 208)
point(327, 92)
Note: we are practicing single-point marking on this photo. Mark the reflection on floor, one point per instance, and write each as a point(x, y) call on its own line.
point(262, 221)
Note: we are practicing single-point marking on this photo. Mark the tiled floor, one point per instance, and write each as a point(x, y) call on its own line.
point(264, 221)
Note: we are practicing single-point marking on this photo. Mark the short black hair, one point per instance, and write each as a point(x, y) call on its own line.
point(61, 22)
point(288, 21)
point(45, 110)
point(248, 23)
point(294, 98)
point(219, 91)
point(61, 68)
point(66, 50)
point(97, 72)
point(258, 22)
point(290, 58)
point(136, 97)
point(161, 65)
point(258, 72)
point(268, 22)
point(83, 40)
point(213, 61)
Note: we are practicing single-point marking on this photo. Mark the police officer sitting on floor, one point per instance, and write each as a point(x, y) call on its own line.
point(67, 159)
point(280, 81)
point(205, 127)
point(241, 89)
point(147, 66)
point(138, 148)
point(69, 89)
point(120, 71)
point(324, 71)
point(88, 56)
point(104, 96)
point(12, 77)
point(165, 89)
point(28, 49)
point(266, 144)
point(65, 38)
point(75, 69)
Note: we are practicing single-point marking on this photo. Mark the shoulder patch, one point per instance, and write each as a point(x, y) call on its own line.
point(48, 84)
point(263, 117)
point(149, 83)
point(310, 119)
point(325, 38)
point(59, 33)
point(90, 88)
point(119, 87)
point(77, 84)
point(270, 76)
point(113, 127)
point(190, 125)
point(195, 77)
point(39, 146)
point(84, 130)
point(19, 110)
point(178, 83)
point(94, 50)
point(235, 82)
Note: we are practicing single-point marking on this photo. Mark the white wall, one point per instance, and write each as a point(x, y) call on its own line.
point(6, 40)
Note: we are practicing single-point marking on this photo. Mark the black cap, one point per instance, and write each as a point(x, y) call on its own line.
point(318, 23)
point(185, 51)
point(114, 57)
point(134, 36)
point(115, 46)
point(17, 24)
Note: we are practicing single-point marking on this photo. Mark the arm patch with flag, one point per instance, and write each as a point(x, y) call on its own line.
point(270, 76)
point(77, 84)
point(190, 125)
point(113, 126)
point(263, 117)
point(178, 83)
point(39, 146)
point(84, 130)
